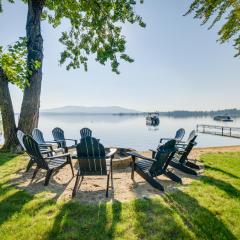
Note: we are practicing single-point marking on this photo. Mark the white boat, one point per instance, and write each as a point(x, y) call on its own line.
point(224, 118)
point(152, 119)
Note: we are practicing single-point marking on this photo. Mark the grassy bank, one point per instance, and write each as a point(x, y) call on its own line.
point(207, 209)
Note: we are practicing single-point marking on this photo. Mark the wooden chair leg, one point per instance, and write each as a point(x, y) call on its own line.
point(183, 168)
point(192, 165)
point(133, 167)
point(70, 162)
point(35, 173)
point(107, 185)
point(30, 164)
point(112, 179)
point(153, 182)
point(76, 185)
point(173, 177)
point(48, 175)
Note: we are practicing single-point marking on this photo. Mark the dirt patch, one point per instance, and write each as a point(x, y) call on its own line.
point(93, 188)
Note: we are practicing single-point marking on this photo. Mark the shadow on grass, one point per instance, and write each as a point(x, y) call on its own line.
point(12, 203)
point(6, 157)
point(226, 187)
point(207, 167)
point(154, 218)
point(199, 220)
point(82, 221)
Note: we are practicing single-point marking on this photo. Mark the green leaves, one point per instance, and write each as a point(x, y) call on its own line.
point(95, 29)
point(13, 62)
point(227, 10)
point(1, 9)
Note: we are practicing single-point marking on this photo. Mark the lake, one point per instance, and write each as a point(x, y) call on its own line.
point(131, 131)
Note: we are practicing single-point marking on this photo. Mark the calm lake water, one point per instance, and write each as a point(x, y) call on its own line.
point(131, 131)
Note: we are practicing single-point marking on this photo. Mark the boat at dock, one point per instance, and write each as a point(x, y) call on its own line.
point(223, 118)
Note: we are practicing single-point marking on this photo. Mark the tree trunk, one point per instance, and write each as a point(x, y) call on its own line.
point(8, 119)
point(31, 98)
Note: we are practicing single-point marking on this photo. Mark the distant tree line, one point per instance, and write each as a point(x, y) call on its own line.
point(182, 113)
point(232, 112)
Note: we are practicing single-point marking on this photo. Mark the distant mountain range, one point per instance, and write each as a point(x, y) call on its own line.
point(116, 110)
point(90, 110)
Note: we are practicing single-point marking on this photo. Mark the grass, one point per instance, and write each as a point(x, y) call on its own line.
point(206, 209)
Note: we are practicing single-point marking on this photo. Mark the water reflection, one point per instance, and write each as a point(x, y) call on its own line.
point(131, 131)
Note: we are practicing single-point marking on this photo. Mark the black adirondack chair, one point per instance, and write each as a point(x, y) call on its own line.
point(49, 163)
point(20, 136)
point(178, 136)
point(45, 145)
point(149, 168)
point(85, 132)
point(93, 161)
point(181, 161)
point(58, 136)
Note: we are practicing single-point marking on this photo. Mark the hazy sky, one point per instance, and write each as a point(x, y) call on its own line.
point(178, 64)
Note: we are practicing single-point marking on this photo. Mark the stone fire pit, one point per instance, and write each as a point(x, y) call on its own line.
point(121, 158)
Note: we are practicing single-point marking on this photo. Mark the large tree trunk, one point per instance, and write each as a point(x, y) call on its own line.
point(31, 98)
point(8, 119)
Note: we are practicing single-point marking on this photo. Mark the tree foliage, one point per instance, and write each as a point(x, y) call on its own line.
point(226, 10)
point(13, 62)
point(95, 29)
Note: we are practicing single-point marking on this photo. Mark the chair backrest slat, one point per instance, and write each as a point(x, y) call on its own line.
point(58, 135)
point(85, 132)
point(188, 149)
point(191, 136)
point(179, 134)
point(91, 155)
point(163, 157)
point(34, 152)
point(38, 136)
point(20, 136)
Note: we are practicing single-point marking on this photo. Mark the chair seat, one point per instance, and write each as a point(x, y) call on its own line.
point(144, 165)
point(57, 150)
point(56, 162)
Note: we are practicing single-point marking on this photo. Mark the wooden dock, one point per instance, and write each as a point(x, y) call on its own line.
point(232, 132)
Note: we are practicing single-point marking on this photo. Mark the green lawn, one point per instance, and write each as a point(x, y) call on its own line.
point(209, 208)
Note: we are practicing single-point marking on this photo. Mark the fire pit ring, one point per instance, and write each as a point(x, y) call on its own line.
point(121, 158)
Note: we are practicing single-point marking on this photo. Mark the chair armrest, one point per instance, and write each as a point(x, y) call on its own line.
point(44, 145)
point(153, 150)
point(164, 139)
point(111, 153)
point(59, 156)
point(134, 154)
point(181, 144)
point(59, 141)
point(46, 152)
point(74, 140)
point(51, 142)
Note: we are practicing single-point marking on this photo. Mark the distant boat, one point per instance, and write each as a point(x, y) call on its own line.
point(152, 119)
point(223, 118)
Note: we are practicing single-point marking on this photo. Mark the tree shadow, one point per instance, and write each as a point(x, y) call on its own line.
point(86, 221)
point(23, 180)
point(154, 218)
point(226, 187)
point(207, 167)
point(199, 220)
point(13, 203)
point(6, 157)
